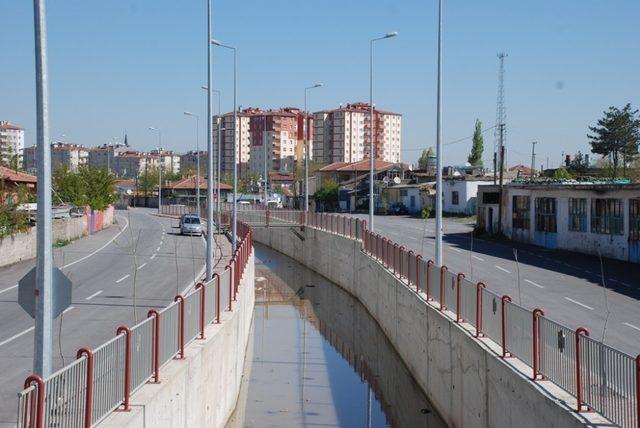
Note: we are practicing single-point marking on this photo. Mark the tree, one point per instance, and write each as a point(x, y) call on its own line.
point(579, 163)
point(477, 148)
point(424, 158)
point(89, 186)
point(616, 136)
point(148, 181)
point(562, 174)
point(327, 194)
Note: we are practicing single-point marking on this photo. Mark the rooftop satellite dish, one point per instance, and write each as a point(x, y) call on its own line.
point(397, 180)
point(385, 180)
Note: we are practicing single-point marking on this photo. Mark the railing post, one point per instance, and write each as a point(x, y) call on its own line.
point(400, 261)
point(579, 331)
point(89, 392)
point(428, 291)
point(479, 287)
point(200, 286)
point(535, 346)
point(156, 344)
point(37, 408)
point(410, 254)
point(127, 365)
point(228, 267)
point(458, 281)
point(267, 217)
point(418, 258)
point(216, 276)
point(395, 257)
point(180, 299)
point(506, 298)
point(443, 269)
point(378, 246)
point(638, 390)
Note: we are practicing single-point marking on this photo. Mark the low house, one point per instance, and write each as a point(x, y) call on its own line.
point(410, 195)
point(459, 193)
point(10, 182)
point(589, 217)
point(184, 191)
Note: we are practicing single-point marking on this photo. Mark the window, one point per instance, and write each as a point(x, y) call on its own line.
point(520, 212)
point(634, 219)
point(546, 215)
point(455, 198)
point(607, 216)
point(577, 214)
point(490, 197)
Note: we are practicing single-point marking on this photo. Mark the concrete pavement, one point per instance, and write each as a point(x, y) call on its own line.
point(568, 286)
point(118, 275)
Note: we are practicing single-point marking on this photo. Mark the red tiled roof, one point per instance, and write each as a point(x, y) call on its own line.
point(362, 166)
point(521, 168)
point(7, 125)
point(17, 177)
point(191, 183)
point(278, 176)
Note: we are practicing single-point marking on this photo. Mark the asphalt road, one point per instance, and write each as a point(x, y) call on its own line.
point(142, 255)
point(568, 286)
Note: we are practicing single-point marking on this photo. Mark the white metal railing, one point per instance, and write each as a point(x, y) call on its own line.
point(86, 391)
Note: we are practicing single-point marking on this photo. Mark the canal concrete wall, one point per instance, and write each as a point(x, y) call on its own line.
point(201, 390)
point(468, 383)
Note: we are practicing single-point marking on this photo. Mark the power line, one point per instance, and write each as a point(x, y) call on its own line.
point(454, 141)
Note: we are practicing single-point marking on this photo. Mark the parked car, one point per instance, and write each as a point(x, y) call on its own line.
point(398, 208)
point(190, 224)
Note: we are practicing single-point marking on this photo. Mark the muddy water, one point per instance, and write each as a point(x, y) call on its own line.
point(317, 358)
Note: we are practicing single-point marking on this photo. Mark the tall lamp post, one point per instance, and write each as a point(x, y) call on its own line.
point(438, 248)
point(154, 129)
point(218, 160)
point(306, 148)
point(234, 216)
point(188, 113)
point(371, 125)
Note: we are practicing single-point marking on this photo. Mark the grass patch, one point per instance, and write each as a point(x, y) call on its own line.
point(61, 243)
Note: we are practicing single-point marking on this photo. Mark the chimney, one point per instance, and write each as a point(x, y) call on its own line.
point(567, 160)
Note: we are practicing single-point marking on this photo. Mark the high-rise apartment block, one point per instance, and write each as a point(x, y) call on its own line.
point(242, 142)
point(343, 134)
point(189, 161)
point(63, 155)
point(11, 144)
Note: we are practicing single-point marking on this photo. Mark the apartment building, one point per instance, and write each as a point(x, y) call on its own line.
point(242, 143)
point(11, 143)
point(103, 156)
point(169, 160)
point(276, 135)
point(189, 161)
point(343, 134)
point(63, 155)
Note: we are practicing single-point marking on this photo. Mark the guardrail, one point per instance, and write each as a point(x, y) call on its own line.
point(102, 380)
point(602, 378)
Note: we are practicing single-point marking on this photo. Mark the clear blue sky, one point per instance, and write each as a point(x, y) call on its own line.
point(130, 64)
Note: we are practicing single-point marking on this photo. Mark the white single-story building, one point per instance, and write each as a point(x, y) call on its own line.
point(590, 218)
point(459, 194)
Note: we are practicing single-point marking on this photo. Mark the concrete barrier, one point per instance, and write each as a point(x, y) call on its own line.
point(22, 246)
point(201, 390)
point(467, 382)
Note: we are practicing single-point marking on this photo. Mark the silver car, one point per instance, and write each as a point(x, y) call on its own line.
point(190, 224)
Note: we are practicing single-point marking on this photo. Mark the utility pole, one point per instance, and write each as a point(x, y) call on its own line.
point(533, 158)
point(210, 237)
point(266, 171)
point(43, 337)
point(501, 185)
point(501, 116)
point(438, 249)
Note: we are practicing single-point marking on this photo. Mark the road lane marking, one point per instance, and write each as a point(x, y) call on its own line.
point(158, 249)
point(578, 303)
point(458, 250)
point(153, 256)
point(14, 337)
point(94, 295)
point(613, 280)
point(7, 289)
point(502, 269)
point(101, 248)
point(533, 283)
point(478, 258)
point(631, 325)
point(142, 265)
point(626, 284)
point(122, 279)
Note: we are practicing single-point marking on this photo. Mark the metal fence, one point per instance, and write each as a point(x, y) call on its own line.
point(99, 381)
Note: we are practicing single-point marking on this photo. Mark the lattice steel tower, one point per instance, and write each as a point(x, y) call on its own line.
point(501, 111)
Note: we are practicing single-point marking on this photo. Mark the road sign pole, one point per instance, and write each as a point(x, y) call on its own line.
point(43, 342)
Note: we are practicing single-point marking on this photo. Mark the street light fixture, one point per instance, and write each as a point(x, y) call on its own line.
point(306, 148)
point(188, 113)
point(234, 216)
point(371, 125)
point(154, 129)
point(438, 249)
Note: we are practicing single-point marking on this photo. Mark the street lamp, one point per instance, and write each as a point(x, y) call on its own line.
point(234, 217)
point(218, 167)
point(154, 129)
point(438, 248)
point(188, 113)
point(371, 124)
point(306, 148)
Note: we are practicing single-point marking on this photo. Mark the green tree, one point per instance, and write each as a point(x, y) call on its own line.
point(579, 163)
point(424, 158)
point(148, 181)
point(89, 186)
point(562, 174)
point(327, 194)
point(616, 136)
point(477, 148)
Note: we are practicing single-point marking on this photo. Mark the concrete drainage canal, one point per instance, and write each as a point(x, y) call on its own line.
point(317, 358)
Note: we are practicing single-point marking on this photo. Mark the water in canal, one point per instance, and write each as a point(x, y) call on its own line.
point(317, 358)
